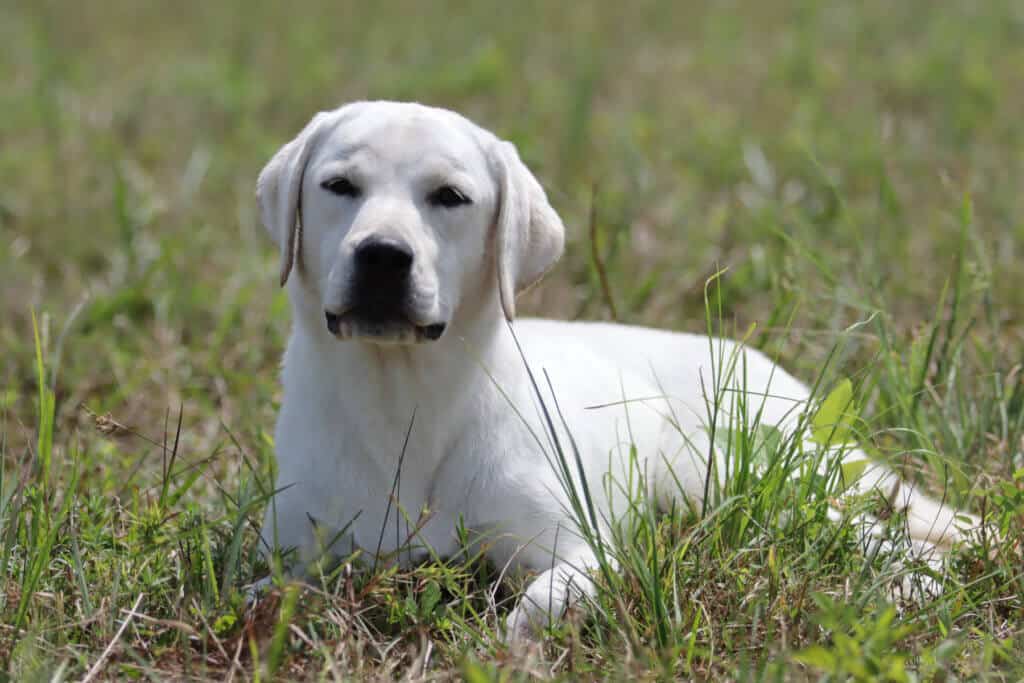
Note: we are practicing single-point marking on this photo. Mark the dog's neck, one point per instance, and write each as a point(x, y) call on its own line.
point(465, 372)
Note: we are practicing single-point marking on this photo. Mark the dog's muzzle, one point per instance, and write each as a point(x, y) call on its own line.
point(379, 299)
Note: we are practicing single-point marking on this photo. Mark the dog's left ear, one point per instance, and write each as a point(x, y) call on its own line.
point(279, 191)
point(530, 235)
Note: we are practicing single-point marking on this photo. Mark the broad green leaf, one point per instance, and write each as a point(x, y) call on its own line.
point(852, 471)
point(833, 422)
point(818, 657)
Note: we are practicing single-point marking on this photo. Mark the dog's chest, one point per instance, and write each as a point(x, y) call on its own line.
point(391, 488)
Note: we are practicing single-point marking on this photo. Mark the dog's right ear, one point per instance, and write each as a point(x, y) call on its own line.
point(279, 191)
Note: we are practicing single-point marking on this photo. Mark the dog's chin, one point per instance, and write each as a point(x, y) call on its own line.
point(385, 332)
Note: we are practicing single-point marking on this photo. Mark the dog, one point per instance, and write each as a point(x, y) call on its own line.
point(414, 401)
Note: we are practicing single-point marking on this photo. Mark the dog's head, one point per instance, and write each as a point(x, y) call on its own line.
point(395, 216)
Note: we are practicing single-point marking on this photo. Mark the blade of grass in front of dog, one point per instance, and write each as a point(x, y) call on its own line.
point(394, 488)
point(583, 511)
point(508, 399)
point(714, 404)
point(560, 461)
point(168, 463)
point(595, 524)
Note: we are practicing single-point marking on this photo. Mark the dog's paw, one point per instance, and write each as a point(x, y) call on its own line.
point(915, 588)
point(523, 629)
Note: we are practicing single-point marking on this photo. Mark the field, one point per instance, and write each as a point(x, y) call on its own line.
point(840, 183)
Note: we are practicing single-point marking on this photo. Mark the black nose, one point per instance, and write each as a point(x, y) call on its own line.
point(385, 258)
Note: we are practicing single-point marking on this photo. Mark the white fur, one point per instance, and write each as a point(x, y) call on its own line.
point(478, 453)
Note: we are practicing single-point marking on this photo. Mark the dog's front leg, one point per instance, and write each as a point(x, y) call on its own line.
point(550, 594)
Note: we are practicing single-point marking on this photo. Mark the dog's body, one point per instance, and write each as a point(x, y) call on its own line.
point(417, 230)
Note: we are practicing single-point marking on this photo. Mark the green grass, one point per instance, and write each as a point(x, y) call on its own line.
point(856, 169)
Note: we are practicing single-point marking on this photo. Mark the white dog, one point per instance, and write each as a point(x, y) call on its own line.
point(406, 233)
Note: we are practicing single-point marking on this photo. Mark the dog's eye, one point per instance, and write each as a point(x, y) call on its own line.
point(448, 197)
point(342, 187)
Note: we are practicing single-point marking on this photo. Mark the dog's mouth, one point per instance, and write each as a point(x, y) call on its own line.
point(355, 324)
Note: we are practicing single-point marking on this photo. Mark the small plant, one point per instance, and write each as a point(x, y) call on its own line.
point(861, 647)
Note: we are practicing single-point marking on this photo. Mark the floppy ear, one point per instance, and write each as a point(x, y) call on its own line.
point(279, 191)
point(530, 235)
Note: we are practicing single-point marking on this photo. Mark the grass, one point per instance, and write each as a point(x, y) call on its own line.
point(854, 168)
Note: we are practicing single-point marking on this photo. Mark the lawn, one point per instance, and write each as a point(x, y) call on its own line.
point(842, 184)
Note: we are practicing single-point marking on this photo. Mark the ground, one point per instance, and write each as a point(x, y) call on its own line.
point(840, 185)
